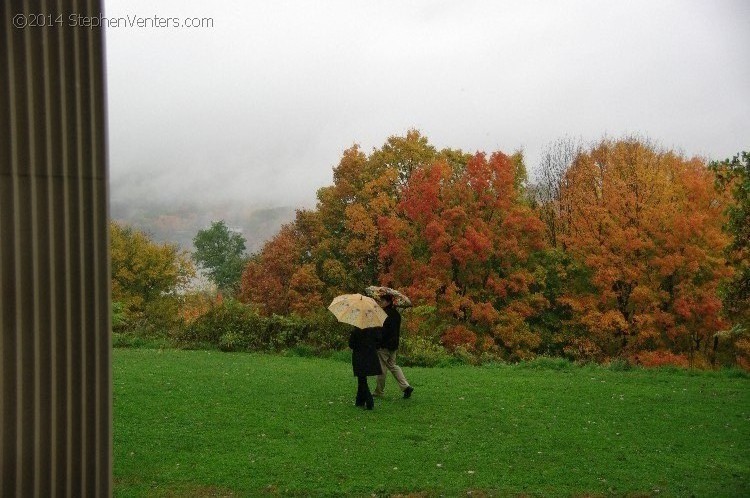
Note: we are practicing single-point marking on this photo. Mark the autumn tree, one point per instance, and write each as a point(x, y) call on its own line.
point(146, 276)
point(280, 279)
point(452, 228)
point(220, 252)
point(364, 188)
point(621, 250)
point(647, 224)
point(334, 248)
point(267, 274)
point(462, 239)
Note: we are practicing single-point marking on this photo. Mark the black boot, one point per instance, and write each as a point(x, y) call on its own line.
point(369, 402)
point(360, 400)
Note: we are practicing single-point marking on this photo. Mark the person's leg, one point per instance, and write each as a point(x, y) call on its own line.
point(360, 399)
point(390, 363)
point(380, 381)
point(361, 391)
point(369, 403)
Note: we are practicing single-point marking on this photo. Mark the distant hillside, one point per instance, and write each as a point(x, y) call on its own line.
point(179, 224)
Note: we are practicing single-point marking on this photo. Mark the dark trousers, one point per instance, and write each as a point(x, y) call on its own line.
point(363, 392)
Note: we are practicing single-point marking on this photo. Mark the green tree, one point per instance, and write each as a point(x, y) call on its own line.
point(220, 252)
point(734, 175)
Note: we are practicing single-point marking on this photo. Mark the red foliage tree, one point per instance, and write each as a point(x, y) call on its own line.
point(462, 238)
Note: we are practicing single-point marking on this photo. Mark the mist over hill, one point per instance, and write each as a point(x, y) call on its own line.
point(180, 222)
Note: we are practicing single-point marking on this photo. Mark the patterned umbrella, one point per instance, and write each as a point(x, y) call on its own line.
point(398, 299)
point(358, 310)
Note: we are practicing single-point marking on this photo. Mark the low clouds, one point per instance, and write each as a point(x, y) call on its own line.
point(259, 107)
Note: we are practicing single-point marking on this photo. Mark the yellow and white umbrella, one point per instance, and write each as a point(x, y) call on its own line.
point(358, 310)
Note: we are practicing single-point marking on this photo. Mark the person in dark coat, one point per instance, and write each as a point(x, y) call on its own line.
point(365, 362)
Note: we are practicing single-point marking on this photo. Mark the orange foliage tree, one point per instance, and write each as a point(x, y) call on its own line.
point(622, 256)
point(279, 280)
point(334, 249)
point(364, 189)
point(647, 224)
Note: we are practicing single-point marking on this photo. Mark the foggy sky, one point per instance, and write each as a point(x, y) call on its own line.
point(259, 107)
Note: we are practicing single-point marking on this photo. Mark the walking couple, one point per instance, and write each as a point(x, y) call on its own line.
point(374, 353)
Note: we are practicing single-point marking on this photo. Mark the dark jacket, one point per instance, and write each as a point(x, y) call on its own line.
point(365, 360)
point(391, 329)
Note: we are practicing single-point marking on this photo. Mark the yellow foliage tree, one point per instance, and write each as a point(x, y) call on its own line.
point(146, 276)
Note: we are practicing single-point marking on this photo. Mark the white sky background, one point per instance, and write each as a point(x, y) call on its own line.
point(260, 107)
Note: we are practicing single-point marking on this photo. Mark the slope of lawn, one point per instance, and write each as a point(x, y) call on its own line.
point(200, 423)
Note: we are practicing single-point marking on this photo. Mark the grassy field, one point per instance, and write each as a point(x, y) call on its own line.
point(199, 423)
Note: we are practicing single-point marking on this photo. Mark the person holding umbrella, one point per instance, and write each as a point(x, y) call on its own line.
point(367, 317)
point(365, 362)
point(388, 347)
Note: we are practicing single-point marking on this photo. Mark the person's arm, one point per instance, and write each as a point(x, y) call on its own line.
point(351, 339)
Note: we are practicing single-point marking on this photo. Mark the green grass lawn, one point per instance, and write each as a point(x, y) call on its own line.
point(199, 423)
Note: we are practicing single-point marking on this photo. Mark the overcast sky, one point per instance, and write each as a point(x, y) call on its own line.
point(260, 106)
